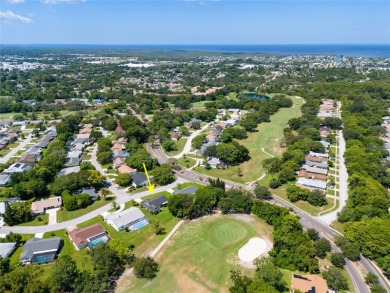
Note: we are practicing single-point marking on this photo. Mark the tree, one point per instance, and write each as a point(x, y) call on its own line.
point(240, 283)
point(349, 249)
point(87, 166)
point(105, 192)
point(197, 142)
point(259, 286)
point(4, 266)
point(335, 279)
point(158, 229)
point(272, 165)
point(169, 146)
point(286, 174)
point(163, 175)
point(64, 274)
point(313, 234)
point(180, 205)
point(338, 260)
point(236, 201)
point(136, 160)
point(104, 157)
point(145, 268)
point(322, 246)
point(269, 273)
point(274, 183)
point(317, 198)
point(262, 192)
point(106, 261)
point(17, 212)
point(371, 279)
point(123, 180)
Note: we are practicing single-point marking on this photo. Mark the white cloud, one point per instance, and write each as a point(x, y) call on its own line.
point(9, 15)
point(62, 1)
point(15, 1)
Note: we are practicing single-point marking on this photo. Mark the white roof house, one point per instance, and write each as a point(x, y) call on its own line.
point(318, 155)
point(74, 154)
point(312, 183)
point(7, 248)
point(126, 218)
point(16, 168)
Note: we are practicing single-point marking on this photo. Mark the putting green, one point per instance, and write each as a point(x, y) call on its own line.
point(200, 255)
point(227, 233)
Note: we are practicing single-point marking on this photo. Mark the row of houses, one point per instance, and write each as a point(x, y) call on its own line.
point(326, 109)
point(386, 138)
point(314, 171)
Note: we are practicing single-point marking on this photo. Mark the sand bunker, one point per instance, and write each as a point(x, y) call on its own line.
point(254, 248)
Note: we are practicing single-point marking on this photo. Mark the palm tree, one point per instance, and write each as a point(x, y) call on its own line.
point(104, 192)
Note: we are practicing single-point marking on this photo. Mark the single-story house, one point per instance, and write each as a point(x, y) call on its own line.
point(88, 236)
point(188, 190)
point(17, 168)
point(311, 183)
point(20, 123)
point(119, 154)
point(37, 250)
point(315, 159)
point(39, 207)
point(124, 169)
point(122, 140)
point(315, 170)
point(68, 170)
point(5, 123)
point(5, 179)
point(325, 143)
point(319, 155)
point(46, 138)
point(83, 136)
point(6, 249)
point(41, 144)
point(78, 147)
point(309, 175)
point(3, 206)
point(35, 150)
point(139, 179)
point(85, 130)
point(29, 158)
point(216, 163)
point(74, 154)
point(308, 284)
point(154, 205)
point(119, 129)
point(117, 162)
point(90, 191)
point(132, 218)
point(72, 162)
point(117, 146)
point(325, 131)
point(176, 136)
point(322, 165)
point(51, 131)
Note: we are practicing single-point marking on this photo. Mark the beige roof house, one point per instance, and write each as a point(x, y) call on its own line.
point(40, 206)
point(126, 169)
point(309, 283)
point(117, 146)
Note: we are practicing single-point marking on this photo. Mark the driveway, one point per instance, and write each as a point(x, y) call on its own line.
point(52, 216)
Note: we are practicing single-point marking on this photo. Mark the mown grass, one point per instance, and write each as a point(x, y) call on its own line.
point(187, 162)
point(44, 220)
point(268, 136)
point(179, 146)
point(64, 215)
point(200, 255)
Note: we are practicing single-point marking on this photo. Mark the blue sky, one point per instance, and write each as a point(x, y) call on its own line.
point(194, 22)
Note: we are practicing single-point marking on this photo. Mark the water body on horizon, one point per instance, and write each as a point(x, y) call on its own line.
point(349, 50)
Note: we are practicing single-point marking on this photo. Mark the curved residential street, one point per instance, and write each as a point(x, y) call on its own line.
point(21, 146)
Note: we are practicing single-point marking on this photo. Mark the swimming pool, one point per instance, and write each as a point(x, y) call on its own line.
point(97, 241)
point(139, 225)
point(43, 258)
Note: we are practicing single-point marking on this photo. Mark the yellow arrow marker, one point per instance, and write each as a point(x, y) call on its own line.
point(151, 186)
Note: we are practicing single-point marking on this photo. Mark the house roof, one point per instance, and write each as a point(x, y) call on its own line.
point(309, 283)
point(315, 159)
point(4, 179)
point(118, 153)
point(90, 191)
point(125, 169)
point(125, 217)
point(80, 236)
point(322, 165)
point(74, 154)
point(319, 155)
point(6, 248)
point(46, 138)
point(119, 129)
point(83, 135)
point(36, 245)
point(310, 175)
point(315, 170)
point(72, 162)
point(117, 146)
point(39, 206)
point(68, 170)
point(138, 178)
point(312, 183)
point(28, 158)
point(42, 144)
point(188, 190)
point(118, 162)
point(154, 205)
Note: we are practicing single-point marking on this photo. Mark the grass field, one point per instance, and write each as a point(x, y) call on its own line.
point(64, 215)
point(199, 105)
point(44, 220)
point(179, 146)
point(200, 255)
point(268, 136)
point(187, 162)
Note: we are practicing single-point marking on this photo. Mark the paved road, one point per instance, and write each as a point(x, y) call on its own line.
point(187, 147)
point(8, 156)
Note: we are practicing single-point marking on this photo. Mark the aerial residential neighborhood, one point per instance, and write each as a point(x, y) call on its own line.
point(189, 170)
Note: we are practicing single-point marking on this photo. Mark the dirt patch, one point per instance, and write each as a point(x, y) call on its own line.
point(187, 284)
point(244, 218)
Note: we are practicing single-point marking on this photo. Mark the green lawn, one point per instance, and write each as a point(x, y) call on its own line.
point(199, 105)
point(186, 184)
point(15, 256)
point(200, 255)
point(44, 220)
point(268, 136)
point(179, 146)
point(187, 162)
point(64, 215)
point(232, 96)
